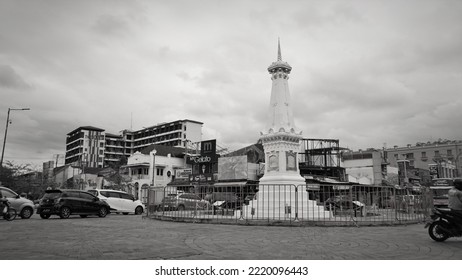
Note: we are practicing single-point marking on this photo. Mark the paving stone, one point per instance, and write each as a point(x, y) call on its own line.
point(119, 237)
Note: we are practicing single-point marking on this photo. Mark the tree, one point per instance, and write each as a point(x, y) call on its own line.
point(22, 178)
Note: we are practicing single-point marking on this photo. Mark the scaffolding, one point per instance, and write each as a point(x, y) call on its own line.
point(321, 157)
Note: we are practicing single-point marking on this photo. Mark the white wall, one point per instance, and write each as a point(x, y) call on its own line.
point(167, 163)
point(359, 170)
point(193, 132)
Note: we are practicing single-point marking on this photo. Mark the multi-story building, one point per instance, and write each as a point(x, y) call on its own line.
point(442, 156)
point(92, 147)
point(85, 147)
point(366, 167)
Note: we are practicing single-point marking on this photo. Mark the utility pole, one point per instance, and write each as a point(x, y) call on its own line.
point(6, 130)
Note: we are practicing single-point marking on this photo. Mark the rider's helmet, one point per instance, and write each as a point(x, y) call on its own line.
point(458, 183)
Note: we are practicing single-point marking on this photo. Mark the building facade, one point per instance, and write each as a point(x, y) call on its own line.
point(365, 167)
point(89, 146)
point(155, 166)
point(442, 158)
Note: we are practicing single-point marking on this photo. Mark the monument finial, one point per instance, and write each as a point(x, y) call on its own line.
point(279, 50)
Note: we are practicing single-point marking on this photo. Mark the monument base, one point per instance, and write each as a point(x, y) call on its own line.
point(283, 202)
point(282, 179)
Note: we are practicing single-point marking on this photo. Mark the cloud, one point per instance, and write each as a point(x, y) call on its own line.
point(363, 73)
point(10, 79)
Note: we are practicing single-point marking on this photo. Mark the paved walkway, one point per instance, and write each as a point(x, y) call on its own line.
point(132, 237)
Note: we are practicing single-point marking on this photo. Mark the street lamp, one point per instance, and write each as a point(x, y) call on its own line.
point(6, 130)
point(153, 153)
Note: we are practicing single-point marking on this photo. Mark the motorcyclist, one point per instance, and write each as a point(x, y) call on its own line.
point(3, 201)
point(455, 197)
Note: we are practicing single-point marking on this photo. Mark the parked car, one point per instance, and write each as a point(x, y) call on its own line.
point(224, 200)
point(183, 201)
point(23, 206)
point(119, 201)
point(343, 202)
point(71, 202)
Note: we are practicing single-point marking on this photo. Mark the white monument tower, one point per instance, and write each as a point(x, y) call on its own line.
point(282, 191)
point(280, 139)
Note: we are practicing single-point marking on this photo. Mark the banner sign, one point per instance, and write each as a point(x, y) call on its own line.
point(183, 173)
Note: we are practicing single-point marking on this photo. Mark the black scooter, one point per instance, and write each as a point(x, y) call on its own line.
point(444, 224)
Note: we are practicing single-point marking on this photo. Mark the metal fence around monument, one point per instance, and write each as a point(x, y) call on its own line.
point(291, 205)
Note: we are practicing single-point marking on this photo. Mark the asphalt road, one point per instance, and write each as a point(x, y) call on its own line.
point(119, 237)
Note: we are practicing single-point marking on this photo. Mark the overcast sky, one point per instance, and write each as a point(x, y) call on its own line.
point(367, 73)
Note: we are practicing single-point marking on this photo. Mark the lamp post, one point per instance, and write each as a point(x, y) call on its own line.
point(153, 153)
point(6, 130)
point(84, 162)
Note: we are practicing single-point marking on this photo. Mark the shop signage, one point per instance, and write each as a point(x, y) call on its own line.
point(201, 178)
point(183, 173)
point(198, 159)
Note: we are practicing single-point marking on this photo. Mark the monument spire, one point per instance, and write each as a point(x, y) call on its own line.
point(280, 110)
point(280, 139)
point(279, 50)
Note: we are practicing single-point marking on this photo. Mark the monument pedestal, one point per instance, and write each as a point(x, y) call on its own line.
point(283, 202)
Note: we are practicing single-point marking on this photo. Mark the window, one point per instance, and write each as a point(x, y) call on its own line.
point(437, 154)
point(93, 192)
point(449, 153)
point(86, 196)
point(126, 196)
point(160, 172)
point(114, 194)
point(424, 154)
point(8, 194)
point(104, 193)
point(71, 194)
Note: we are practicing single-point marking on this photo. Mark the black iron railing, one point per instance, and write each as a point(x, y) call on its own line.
point(290, 204)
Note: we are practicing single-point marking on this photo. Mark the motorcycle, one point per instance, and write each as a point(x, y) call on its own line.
point(8, 213)
point(444, 224)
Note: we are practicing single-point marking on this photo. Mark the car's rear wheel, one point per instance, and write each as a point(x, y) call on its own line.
point(65, 212)
point(26, 212)
point(83, 216)
point(125, 213)
point(138, 210)
point(102, 212)
point(44, 216)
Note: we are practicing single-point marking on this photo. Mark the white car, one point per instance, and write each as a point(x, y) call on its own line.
point(119, 201)
point(23, 206)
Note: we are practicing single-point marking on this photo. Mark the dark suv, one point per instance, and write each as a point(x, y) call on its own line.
point(71, 202)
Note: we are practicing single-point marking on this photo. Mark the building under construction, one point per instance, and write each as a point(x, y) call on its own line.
point(321, 157)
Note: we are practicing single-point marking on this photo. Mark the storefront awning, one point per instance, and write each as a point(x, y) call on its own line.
point(230, 184)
